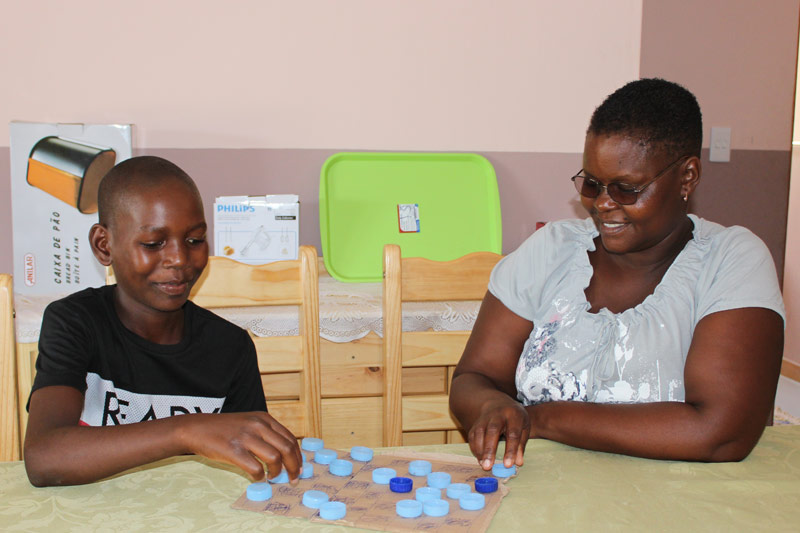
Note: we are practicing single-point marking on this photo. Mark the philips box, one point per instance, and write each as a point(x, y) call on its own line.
point(257, 229)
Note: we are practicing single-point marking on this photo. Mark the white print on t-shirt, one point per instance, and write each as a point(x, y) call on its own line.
point(106, 405)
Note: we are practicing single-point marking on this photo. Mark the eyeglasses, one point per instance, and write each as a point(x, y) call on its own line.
point(622, 193)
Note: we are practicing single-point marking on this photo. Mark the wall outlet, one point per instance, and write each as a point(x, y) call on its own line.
point(720, 151)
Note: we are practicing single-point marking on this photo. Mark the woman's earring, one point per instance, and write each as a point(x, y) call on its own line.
point(685, 197)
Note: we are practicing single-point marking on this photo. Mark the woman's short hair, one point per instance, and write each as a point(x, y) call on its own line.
point(662, 114)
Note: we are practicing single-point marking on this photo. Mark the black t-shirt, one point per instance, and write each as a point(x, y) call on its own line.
point(127, 379)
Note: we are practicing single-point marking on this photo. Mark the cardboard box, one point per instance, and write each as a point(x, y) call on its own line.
point(55, 172)
point(257, 229)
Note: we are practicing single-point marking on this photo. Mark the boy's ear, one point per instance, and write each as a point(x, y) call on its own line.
point(98, 240)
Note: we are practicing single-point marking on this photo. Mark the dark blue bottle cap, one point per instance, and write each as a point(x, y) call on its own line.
point(486, 484)
point(400, 484)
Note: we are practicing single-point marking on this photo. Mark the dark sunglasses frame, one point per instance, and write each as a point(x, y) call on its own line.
point(621, 193)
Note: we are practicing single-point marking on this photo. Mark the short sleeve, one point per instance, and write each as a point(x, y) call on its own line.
point(741, 274)
point(518, 279)
point(247, 392)
point(65, 347)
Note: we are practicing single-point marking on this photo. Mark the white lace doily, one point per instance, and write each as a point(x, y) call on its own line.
point(347, 311)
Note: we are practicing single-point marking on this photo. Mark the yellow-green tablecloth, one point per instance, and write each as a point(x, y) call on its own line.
point(559, 489)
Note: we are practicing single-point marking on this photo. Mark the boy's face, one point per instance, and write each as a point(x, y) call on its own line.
point(158, 247)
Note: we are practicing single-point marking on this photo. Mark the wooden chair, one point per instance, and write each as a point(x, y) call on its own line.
point(422, 280)
point(9, 406)
point(289, 365)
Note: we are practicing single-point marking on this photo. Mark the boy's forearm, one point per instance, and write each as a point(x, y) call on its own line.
point(80, 454)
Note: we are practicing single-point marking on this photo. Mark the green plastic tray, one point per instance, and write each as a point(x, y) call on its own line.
point(359, 195)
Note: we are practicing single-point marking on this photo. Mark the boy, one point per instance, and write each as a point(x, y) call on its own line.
point(117, 362)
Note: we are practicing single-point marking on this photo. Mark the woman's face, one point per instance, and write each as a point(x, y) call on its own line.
point(659, 210)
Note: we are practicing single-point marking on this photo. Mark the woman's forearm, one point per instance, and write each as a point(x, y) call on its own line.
point(662, 430)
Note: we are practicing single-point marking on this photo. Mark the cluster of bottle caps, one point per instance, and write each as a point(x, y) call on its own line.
point(427, 500)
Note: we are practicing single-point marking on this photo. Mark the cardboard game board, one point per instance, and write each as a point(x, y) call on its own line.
point(372, 506)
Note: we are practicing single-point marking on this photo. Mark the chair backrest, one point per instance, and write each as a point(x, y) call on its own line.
point(229, 283)
point(9, 404)
point(423, 280)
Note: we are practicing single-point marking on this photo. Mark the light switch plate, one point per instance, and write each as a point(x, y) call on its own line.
point(720, 151)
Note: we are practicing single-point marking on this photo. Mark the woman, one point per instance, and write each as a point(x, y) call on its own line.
point(641, 330)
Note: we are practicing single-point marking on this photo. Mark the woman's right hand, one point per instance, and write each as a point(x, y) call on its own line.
point(483, 392)
point(502, 416)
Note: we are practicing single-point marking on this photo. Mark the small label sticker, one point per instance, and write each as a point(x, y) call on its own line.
point(408, 218)
point(30, 270)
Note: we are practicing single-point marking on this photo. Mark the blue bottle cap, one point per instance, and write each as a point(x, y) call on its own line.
point(436, 507)
point(303, 455)
point(324, 456)
point(283, 477)
point(341, 467)
point(259, 492)
point(361, 453)
point(472, 501)
point(310, 444)
point(332, 510)
point(314, 498)
point(439, 480)
point(307, 471)
point(382, 476)
point(486, 484)
point(424, 494)
point(499, 470)
point(419, 468)
point(409, 508)
point(400, 484)
point(456, 490)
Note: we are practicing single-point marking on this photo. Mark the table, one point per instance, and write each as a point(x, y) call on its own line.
point(559, 489)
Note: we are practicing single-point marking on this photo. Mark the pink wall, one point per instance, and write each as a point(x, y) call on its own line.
point(737, 56)
point(503, 75)
point(740, 59)
point(515, 80)
point(791, 276)
point(299, 78)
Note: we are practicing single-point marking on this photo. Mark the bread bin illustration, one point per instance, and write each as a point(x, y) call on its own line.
point(70, 170)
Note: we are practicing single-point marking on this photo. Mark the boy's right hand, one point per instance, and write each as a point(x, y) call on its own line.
point(60, 451)
point(244, 440)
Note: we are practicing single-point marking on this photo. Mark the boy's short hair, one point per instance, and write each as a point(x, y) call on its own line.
point(137, 173)
point(662, 114)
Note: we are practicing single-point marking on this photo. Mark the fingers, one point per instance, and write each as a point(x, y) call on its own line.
point(517, 432)
point(277, 448)
point(486, 433)
point(483, 440)
point(518, 460)
point(246, 440)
